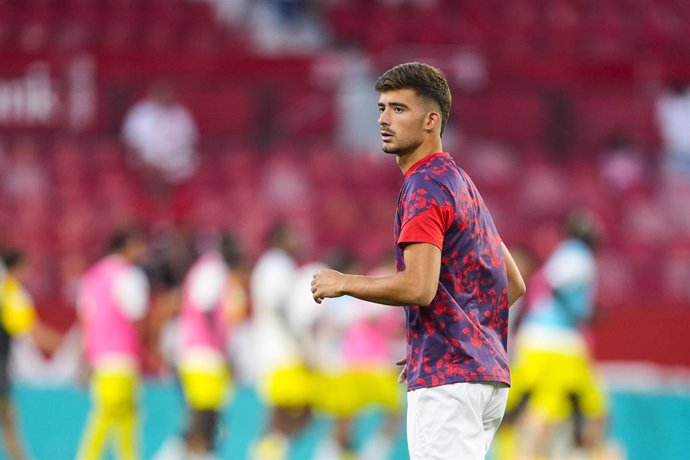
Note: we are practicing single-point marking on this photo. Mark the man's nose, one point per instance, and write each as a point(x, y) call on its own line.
point(383, 118)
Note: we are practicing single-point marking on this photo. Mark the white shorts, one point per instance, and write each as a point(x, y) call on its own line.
point(454, 422)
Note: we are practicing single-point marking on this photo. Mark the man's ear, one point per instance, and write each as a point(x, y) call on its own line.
point(433, 120)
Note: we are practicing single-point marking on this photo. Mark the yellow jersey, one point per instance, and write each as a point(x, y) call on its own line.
point(17, 312)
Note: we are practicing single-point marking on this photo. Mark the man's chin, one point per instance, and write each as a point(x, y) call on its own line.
point(390, 149)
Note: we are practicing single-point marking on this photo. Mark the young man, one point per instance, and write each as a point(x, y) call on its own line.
point(17, 318)
point(284, 379)
point(454, 276)
point(213, 301)
point(113, 298)
point(553, 372)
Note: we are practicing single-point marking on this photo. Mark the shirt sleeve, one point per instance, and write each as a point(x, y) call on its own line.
point(132, 293)
point(18, 312)
point(569, 268)
point(130, 127)
point(428, 212)
point(271, 282)
point(429, 226)
point(206, 285)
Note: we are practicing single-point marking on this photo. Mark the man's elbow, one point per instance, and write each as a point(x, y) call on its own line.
point(519, 289)
point(423, 297)
point(523, 289)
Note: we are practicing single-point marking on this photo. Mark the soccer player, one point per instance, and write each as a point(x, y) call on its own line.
point(213, 300)
point(17, 317)
point(284, 379)
point(113, 298)
point(454, 276)
point(552, 372)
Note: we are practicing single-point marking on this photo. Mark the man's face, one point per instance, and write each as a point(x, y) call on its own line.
point(402, 120)
point(136, 250)
point(22, 270)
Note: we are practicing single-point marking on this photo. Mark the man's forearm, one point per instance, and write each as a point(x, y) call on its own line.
point(516, 284)
point(417, 284)
point(394, 290)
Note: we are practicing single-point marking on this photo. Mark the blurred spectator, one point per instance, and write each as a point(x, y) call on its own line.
point(286, 26)
point(25, 178)
point(161, 135)
point(673, 118)
point(285, 186)
point(231, 12)
point(623, 165)
point(469, 70)
point(357, 130)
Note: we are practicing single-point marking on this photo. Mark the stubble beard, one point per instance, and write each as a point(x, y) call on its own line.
point(400, 150)
point(391, 150)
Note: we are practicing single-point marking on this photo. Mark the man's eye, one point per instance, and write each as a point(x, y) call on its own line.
point(398, 109)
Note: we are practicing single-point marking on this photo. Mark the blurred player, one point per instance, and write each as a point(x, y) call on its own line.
point(17, 317)
point(454, 276)
point(113, 299)
point(358, 343)
point(503, 447)
point(213, 301)
point(553, 377)
point(283, 377)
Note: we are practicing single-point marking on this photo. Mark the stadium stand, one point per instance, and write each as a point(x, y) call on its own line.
point(562, 78)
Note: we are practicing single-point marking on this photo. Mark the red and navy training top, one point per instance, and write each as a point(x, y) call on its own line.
point(461, 336)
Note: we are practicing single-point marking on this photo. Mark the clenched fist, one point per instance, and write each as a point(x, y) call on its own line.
point(327, 283)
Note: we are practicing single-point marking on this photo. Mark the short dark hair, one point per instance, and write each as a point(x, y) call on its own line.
point(121, 237)
point(585, 226)
point(427, 81)
point(13, 257)
point(279, 233)
point(231, 250)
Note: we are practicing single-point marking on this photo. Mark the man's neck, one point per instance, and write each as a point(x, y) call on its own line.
point(406, 161)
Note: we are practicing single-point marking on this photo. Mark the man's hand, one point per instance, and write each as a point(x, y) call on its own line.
point(327, 283)
point(403, 374)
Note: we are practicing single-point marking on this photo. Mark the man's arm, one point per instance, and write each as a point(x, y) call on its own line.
point(416, 285)
point(516, 285)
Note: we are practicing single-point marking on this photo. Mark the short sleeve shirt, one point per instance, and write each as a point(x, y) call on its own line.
point(131, 291)
point(206, 282)
point(571, 271)
point(461, 336)
point(17, 311)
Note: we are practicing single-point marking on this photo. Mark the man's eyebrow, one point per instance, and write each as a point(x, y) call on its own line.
point(394, 104)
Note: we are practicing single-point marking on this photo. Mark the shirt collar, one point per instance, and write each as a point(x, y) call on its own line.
point(423, 161)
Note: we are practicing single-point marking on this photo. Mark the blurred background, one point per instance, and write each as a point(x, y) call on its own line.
point(192, 118)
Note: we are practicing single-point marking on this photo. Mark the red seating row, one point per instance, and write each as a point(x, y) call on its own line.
point(118, 26)
point(530, 27)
